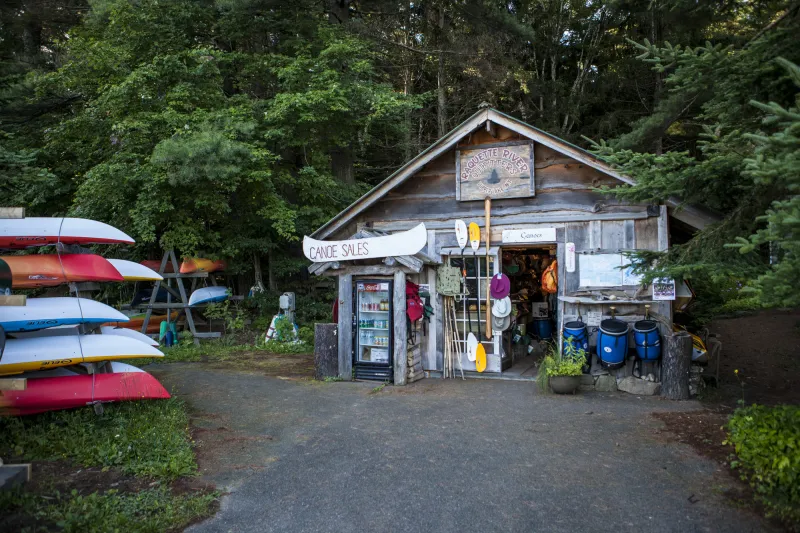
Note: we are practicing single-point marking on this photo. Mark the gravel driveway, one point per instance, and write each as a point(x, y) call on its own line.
point(299, 455)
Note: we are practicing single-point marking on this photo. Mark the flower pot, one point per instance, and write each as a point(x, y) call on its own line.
point(565, 384)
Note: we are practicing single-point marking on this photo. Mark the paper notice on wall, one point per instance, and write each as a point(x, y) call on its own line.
point(570, 259)
point(600, 270)
point(593, 318)
point(663, 289)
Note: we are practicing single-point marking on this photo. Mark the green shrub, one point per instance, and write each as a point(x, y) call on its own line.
point(767, 445)
point(568, 363)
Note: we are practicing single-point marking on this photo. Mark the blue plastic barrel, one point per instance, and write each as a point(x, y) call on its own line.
point(612, 343)
point(575, 332)
point(543, 328)
point(647, 340)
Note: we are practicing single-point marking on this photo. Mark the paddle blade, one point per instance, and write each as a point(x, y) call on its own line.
point(480, 358)
point(472, 346)
point(474, 236)
point(461, 234)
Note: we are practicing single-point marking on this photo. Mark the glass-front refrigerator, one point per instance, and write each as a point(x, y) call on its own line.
point(373, 330)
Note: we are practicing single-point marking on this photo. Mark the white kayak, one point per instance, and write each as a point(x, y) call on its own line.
point(18, 233)
point(45, 353)
point(61, 331)
point(208, 295)
point(40, 313)
point(135, 271)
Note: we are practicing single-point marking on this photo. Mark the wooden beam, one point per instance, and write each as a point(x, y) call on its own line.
point(368, 270)
point(172, 275)
point(14, 475)
point(345, 303)
point(399, 319)
point(13, 300)
point(12, 212)
point(13, 384)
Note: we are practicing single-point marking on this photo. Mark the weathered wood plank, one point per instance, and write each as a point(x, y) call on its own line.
point(13, 300)
point(13, 384)
point(12, 212)
point(613, 234)
point(429, 359)
point(646, 230)
point(399, 318)
point(518, 221)
point(595, 234)
point(629, 232)
point(345, 328)
point(368, 270)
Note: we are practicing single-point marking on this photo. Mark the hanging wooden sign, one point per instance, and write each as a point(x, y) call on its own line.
point(403, 243)
point(504, 171)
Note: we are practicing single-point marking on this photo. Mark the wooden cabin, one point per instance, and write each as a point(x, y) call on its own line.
point(544, 206)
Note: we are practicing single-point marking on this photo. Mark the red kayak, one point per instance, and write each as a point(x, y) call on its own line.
point(58, 389)
point(155, 264)
point(49, 270)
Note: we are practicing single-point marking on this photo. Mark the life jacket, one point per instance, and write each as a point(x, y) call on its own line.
point(414, 305)
point(550, 278)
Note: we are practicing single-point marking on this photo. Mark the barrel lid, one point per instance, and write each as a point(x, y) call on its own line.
point(575, 324)
point(612, 325)
point(644, 326)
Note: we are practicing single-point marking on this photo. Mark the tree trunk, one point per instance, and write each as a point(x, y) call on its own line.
point(338, 11)
point(342, 164)
point(326, 351)
point(441, 99)
point(675, 366)
point(273, 282)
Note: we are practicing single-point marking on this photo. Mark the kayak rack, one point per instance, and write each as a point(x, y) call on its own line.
point(182, 300)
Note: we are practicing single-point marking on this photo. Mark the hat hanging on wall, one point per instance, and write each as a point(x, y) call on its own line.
point(500, 286)
point(502, 307)
point(501, 323)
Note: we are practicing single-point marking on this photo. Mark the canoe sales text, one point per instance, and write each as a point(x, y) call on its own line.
point(339, 251)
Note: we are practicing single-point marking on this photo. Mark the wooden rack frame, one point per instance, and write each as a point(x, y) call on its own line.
point(182, 299)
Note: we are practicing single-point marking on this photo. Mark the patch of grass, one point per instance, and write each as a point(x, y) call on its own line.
point(767, 445)
point(149, 438)
point(147, 511)
point(219, 350)
point(379, 388)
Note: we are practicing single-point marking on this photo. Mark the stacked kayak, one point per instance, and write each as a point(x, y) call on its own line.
point(68, 388)
point(69, 349)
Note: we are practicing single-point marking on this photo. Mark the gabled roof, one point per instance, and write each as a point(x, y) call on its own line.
point(694, 216)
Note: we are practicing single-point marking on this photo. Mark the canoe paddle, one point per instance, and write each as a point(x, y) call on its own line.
point(475, 243)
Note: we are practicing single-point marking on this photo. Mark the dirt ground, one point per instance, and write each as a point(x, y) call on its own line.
point(765, 349)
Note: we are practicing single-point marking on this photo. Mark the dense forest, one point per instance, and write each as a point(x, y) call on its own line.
point(233, 127)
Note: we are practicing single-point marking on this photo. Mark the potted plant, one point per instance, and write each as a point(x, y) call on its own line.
point(561, 371)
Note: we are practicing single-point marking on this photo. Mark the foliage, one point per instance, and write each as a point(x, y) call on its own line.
point(767, 445)
point(148, 511)
point(712, 122)
point(276, 346)
point(569, 362)
point(149, 438)
point(228, 312)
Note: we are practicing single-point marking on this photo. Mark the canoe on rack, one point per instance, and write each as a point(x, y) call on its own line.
point(19, 233)
point(40, 313)
point(50, 270)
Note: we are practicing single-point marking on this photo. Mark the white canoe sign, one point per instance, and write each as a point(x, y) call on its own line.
point(403, 243)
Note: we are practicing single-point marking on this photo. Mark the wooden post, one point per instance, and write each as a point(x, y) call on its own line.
point(675, 367)
point(12, 212)
point(326, 351)
point(399, 319)
point(487, 205)
point(345, 304)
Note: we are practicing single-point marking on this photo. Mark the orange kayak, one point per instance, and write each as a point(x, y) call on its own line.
point(196, 264)
point(49, 270)
point(136, 322)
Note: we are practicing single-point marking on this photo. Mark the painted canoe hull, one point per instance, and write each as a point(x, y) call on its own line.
point(40, 313)
point(155, 264)
point(62, 331)
point(50, 270)
point(44, 353)
point(402, 243)
point(135, 322)
point(62, 389)
point(131, 271)
point(22, 233)
point(196, 264)
point(208, 295)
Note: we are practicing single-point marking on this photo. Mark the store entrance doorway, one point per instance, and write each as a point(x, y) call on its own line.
point(532, 331)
